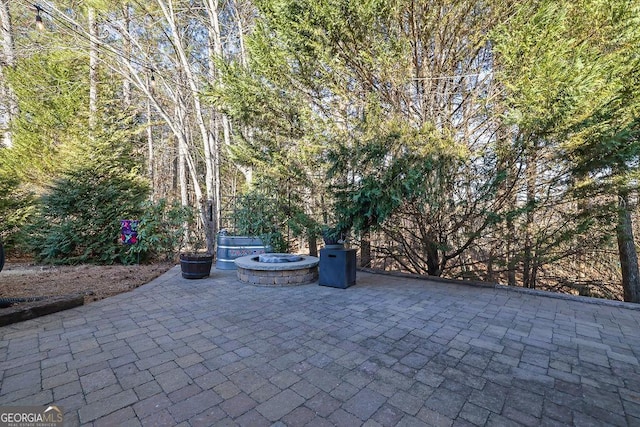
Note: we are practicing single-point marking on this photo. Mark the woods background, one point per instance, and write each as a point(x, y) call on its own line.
point(488, 140)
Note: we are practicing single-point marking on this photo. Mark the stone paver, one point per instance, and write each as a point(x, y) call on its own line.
point(387, 351)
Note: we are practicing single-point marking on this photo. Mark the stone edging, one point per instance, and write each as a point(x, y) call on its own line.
point(476, 283)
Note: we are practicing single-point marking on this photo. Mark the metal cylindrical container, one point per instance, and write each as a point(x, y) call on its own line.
point(232, 247)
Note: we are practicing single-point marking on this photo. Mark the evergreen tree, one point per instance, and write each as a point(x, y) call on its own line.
point(572, 73)
point(86, 179)
point(392, 97)
point(78, 220)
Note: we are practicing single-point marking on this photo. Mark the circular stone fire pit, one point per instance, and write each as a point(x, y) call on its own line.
point(277, 269)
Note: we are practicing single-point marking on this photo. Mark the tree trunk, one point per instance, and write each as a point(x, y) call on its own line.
point(93, 69)
point(433, 260)
point(627, 250)
point(182, 173)
point(528, 261)
point(9, 105)
point(240, 25)
point(215, 51)
point(511, 253)
point(150, 149)
point(126, 82)
point(313, 245)
point(246, 171)
point(7, 37)
point(365, 250)
point(205, 133)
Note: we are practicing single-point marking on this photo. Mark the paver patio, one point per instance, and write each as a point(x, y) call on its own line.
point(388, 351)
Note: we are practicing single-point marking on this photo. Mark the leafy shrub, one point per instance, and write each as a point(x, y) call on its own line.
point(161, 231)
point(260, 216)
point(16, 205)
point(78, 221)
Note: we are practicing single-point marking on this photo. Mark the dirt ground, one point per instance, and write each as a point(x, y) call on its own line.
point(24, 279)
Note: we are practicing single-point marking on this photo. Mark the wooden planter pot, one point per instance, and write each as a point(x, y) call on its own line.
point(195, 266)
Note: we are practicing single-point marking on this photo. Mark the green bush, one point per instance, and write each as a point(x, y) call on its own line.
point(271, 218)
point(16, 206)
point(260, 216)
point(161, 231)
point(78, 221)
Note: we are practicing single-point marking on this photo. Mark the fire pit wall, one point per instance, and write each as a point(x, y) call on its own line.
point(251, 270)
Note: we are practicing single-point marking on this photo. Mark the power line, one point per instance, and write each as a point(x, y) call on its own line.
point(65, 21)
point(70, 26)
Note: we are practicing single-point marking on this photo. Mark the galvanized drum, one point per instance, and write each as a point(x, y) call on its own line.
point(232, 247)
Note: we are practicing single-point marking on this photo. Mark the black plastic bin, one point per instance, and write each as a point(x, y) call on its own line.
point(337, 267)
